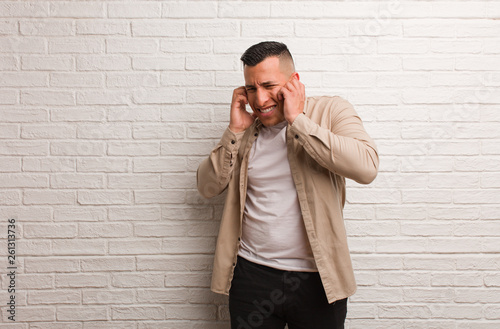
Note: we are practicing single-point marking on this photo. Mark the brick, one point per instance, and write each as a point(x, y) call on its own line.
point(108, 297)
point(125, 114)
point(36, 313)
point(174, 263)
point(422, 63)
point(77, 115)
point(191, 114)
point(404, 311)
point(51, 265)
point(76, 80)
point(34, 247)
point(81, 280)
point(86, 214)
point(323, 28)
point(10, 198)
point(77, 148)
point(371, 228)
point(48, 164)
point(47, 28)
point(155, 196)
point(47, 132)
point(427, 196)
point(77, 10)
point(490, 180)
point(150, 213)
point(76, 181)
point(10, 164)
point(476, 196)
point(182, 78)
point(187, 280)
point(82, 313)
point(103, 63)
point(32, 214)
point(9, 97)
point(131, 10)
point(172, 62)
point(54, 297)
point(22, 180)
point(138, 313)
point(104, 131)
point(47, 97)
point(103, 197)
point(109, 97)
point(32, 197)
point(159, 96)
point(102, 27)
point(475, 164)
point(477, 63)
point(133, 181)
point(182, 46)
point(178, 181)
point(49, 231)
point(76, 45)
point(162, 28)
point(229, 9)
point(212, 63)
point(9, 63)
point(107, 264)
point(457, 279)
point(35, 282)
point(133, 148)
point(192, 312)
point(23, 9)
point(8, 27)
point(74, 247)
point(102, 164)
point(186, 148)
point(385, 295)
point(24, 45)
point(208, 96)
point(109, 325)
point(24, 79)
point(47, 63)
point(131, 46)
point(193, 245)
point(112, 230)
point(135, 280)
point(135, 247)
point(187, 10)
point(213, 28)
point(169, 131)
point(132, 80)
point(373, 63)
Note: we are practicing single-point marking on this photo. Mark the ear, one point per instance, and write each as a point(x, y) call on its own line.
point(295, 75)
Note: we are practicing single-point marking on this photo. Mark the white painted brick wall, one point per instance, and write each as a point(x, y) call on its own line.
point(107, 107)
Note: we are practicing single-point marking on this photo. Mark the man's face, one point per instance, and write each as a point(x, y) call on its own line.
point(262, 83)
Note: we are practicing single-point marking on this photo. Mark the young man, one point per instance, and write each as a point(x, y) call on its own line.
point(282, 254)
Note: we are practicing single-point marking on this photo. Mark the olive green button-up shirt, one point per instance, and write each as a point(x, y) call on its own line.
point(326, 144)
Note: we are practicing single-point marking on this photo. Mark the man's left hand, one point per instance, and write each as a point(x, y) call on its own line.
point(293, 96)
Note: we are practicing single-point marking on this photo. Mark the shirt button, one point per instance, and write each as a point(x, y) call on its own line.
point(296, 136)
point(233, 141)
point(255, 134)
point(239, 239)
point(234, 264)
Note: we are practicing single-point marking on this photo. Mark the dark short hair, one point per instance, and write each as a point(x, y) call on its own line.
point(258, 52)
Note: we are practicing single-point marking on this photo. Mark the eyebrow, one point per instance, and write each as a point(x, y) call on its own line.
point(266, 83)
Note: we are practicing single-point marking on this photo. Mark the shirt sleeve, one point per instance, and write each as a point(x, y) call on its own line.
point(344, 147)
point(214, 172)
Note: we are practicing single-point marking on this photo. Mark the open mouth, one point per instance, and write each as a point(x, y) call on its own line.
point(267, 110)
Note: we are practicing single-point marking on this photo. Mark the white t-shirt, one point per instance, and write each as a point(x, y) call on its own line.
point(273, 232)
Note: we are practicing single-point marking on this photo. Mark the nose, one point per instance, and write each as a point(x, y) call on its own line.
point(261, 97)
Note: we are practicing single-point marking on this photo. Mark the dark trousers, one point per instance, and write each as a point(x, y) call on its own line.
point(267, 298)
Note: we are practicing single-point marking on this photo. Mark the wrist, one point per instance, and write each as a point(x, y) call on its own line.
point(235, 129)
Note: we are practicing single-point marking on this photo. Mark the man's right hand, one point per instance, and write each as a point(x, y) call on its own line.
point(240, 119)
